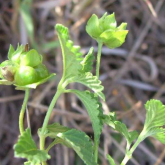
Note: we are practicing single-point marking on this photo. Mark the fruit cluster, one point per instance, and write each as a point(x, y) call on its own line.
point(23, 66)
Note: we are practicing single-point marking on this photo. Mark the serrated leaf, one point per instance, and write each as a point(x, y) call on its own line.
point(87, 63)
point(155, 115)
point(26, 148)
point(113, 39)
point(11, 51)
point(111, 160)
point(71, 54)
point(121, 128)
point(91, 82)
point(160, 137)
point(94, 109)
point(81, 143)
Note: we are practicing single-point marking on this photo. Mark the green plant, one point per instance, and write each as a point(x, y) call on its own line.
point(25, 70)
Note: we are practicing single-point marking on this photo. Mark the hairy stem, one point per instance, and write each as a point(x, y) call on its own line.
point(22, 112)
point(100, 44)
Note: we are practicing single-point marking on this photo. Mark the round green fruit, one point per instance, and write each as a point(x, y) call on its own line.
point(42, 71)
point(25, 75)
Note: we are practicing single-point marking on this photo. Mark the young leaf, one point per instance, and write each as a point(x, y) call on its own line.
point(81, 143)
point(121, 128)
point(75, 68)
point(93, 107)
point(111, 160)
point(87, 63)
point(154, 122)
point(26, 148)
point(71, 54)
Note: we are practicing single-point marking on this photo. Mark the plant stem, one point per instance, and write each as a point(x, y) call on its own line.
point(100, 44)
point(22, 112)
point(129, 153)
point(96, 151)
point(46, 120)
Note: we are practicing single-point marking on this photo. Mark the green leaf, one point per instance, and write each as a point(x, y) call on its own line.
point(160, 137)
point(154, 122)
point(11, 51)
point(26, 148)
point(111, 160)
point(94, 109)
point(81, 143)
point(113, 39)
point(71, 54)
point(34, 85)
point(120, 127)
point(56, 128)
point(87, 63)
point(92, 27)
point(91, 82)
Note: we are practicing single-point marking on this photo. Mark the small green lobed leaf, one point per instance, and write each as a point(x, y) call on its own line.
point(153, 126)
point(26, 148)
point(111, 160)
point(87, 63)
point(81, 143)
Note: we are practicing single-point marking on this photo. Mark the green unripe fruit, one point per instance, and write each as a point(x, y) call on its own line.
point(31, 58)
point(7, 70)
point(25, 75)
point(42, 71)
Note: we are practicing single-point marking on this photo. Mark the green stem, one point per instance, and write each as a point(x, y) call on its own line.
point(129, 153)
point(96, 151)
point(22, 112)
point(100, 44)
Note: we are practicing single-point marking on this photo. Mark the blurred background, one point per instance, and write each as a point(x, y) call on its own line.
point(131, 74)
